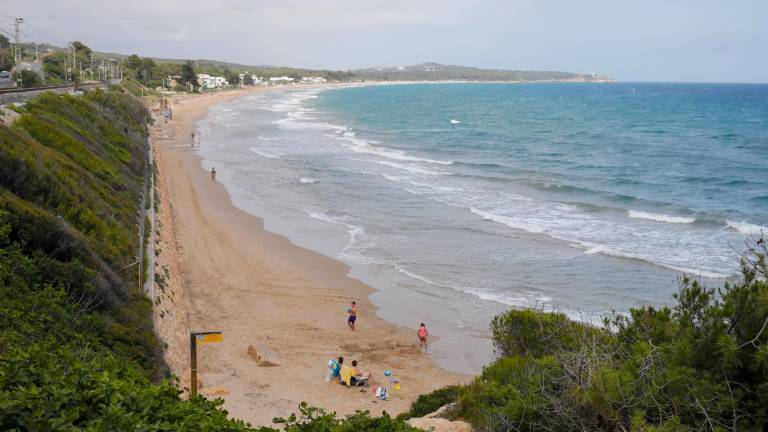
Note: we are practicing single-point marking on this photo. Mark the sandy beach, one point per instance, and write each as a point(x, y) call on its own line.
point(221, 270)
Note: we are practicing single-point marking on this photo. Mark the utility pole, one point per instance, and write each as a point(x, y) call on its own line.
point(74, 61)
point(17, 44)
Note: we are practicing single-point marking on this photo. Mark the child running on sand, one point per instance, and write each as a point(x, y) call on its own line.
point(352, 316)
point(423, 335)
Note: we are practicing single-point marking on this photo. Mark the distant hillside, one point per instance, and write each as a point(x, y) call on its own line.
point(419, 72)
point(439, 72)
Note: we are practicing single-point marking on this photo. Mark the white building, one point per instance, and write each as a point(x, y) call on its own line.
point(211, 82)
point(256, 80)
point(313, 80)
point(281, 80)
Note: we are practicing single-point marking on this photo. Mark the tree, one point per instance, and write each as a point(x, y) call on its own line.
point(81, 49)
point(147, 67)
point(188, 75)
point(248, 80)
point(133, 62)
point(231, 77)
point(28, 78)
point(4, 42)
point(53, 65)
point(6, 59)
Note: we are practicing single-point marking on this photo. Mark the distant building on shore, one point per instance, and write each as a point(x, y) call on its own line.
point(256, 79)
point(313, 80)
point(208, 82)
point(281, 80)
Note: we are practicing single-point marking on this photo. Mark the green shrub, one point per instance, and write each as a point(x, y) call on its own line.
point(312, 419)
point(431, 402)
point(535, 333)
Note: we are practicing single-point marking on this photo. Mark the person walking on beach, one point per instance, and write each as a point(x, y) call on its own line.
point(193, 138)
point(352, 311)
point(213, 173)
point(423, 335)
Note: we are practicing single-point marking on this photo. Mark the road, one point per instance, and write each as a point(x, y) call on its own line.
point(6, 82)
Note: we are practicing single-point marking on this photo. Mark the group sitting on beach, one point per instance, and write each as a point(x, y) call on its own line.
point(350, 376)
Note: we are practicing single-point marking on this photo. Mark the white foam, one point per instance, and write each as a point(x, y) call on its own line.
point(634, 214)
point(599, 249)
point(598, 236)
point(455, 121)
point(508, 221)
point(699, 272)
point(417, 277)
point(745, 227)
point(409, 168)
point(354, 231)
point(264, 154)
point(307, 180)
point(364, 146)
point(508, 299)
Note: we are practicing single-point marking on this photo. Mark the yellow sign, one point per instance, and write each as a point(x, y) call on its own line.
point(211, 338)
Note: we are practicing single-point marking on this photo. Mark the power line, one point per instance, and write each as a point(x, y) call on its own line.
point(45, 36)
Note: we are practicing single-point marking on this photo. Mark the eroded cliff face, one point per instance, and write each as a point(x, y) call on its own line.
point(169, 307)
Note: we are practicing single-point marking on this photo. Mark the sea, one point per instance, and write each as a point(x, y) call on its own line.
point(459, 201)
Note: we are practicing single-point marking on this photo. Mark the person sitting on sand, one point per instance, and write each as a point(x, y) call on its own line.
point(352, 316)
point(358, 375)
point(423, 335)
point(359, 372)
point(213, 173)
point(336, 368)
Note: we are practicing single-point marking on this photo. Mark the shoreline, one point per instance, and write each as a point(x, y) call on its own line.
point(284, 300)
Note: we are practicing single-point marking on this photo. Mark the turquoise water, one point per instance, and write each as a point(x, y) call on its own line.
point(458, 201)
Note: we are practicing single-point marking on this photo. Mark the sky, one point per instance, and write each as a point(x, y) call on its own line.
point(640, 40)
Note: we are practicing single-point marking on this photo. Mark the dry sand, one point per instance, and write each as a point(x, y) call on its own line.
point(221, 270)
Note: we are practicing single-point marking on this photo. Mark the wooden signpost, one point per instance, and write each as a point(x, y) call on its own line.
point(194, 339)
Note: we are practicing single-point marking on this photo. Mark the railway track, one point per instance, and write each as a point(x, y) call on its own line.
point(45, 88)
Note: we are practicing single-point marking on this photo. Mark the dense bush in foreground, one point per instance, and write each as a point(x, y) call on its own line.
point(701, 364)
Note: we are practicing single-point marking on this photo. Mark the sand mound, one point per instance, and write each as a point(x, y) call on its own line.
point(216, 391)
point(263, 356)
